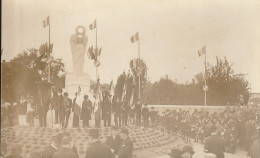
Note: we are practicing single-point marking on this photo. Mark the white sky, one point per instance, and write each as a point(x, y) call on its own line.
point(170, 31)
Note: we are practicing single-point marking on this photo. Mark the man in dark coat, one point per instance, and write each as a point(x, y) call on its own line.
point(126, 147)
point(51, 149)
point(96, 149)
point(138, 112)
point(125, 112)
point(86, 111)
point(145, 113)
point(67, 105)
point(43, 107)
point(66, 149)
point(114, 141)
point(106, 110)
point(117, 111)
point(215, 144)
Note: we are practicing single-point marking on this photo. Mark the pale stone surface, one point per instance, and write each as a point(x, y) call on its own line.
point(73, 81)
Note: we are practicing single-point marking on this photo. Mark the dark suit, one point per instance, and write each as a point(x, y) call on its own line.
point(86, 112)
point(66, 109)
point(117, 110)
point(138, 112)
point(98, 150)
point(64, 153)
point(49, 151)
point(114, 143)
point(145, 113)
point(214, 144)
point(106, 112)
point(126, 149)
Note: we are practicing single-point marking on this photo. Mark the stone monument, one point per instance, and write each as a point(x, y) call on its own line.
point(78, 78)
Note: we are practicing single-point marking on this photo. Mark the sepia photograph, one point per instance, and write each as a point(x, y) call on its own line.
point(130, 79)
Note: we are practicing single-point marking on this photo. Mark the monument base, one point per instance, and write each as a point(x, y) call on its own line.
point(74, 81)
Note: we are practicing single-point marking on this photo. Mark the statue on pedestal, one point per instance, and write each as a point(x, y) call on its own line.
point(78, 44)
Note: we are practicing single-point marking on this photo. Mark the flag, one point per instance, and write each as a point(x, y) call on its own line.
point(132, 97)
point(98, 52)
point(46, 22)
point(202, 51)
point(134, 63)
point(47, 60)
point(93, 25)
point(124, 92)
point(91, 54)
point(134, 38)
point(51, 48)
point(112, 89)
point(77, 109)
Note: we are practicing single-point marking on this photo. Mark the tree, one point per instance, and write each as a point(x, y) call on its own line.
point(21, 73)
point(225, 86)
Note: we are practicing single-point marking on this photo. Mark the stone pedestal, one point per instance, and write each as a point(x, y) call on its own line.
point(73, 81)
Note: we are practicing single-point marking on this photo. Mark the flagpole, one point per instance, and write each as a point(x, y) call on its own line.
point(96, 50)
point(49, 55)
point(205, 82)
point(139, 78)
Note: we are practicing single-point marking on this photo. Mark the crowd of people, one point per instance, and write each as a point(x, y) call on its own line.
point(62, 107)
point(237, 126)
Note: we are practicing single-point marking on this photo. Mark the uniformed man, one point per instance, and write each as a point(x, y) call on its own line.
point(43, 108)
point(86, 111)
point(138, 112)
point(106, 110)
point(145, 113)
point(125, 112)
point(67, 105)
point(126, 147)
point(117, 111)
point(96, 149)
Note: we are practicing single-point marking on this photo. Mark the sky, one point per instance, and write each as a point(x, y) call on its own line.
point(171, 32)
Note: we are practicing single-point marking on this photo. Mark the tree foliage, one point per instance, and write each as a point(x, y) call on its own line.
point(20, 74)
point(224, 87)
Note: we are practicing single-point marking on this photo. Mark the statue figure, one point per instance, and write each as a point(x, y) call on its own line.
point(78, 44)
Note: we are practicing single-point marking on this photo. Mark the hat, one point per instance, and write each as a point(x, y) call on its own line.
point(85, 96)
point(94, 133)
point(124, 130)
point(175, 153)
point(187, 148)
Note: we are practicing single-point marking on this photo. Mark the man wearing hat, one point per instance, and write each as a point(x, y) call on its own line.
point(126, 148)
point(138, 112)
point(66, 109)
point(86, 111)
point(114, 140)
point(96, 149)
point(106, 110)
